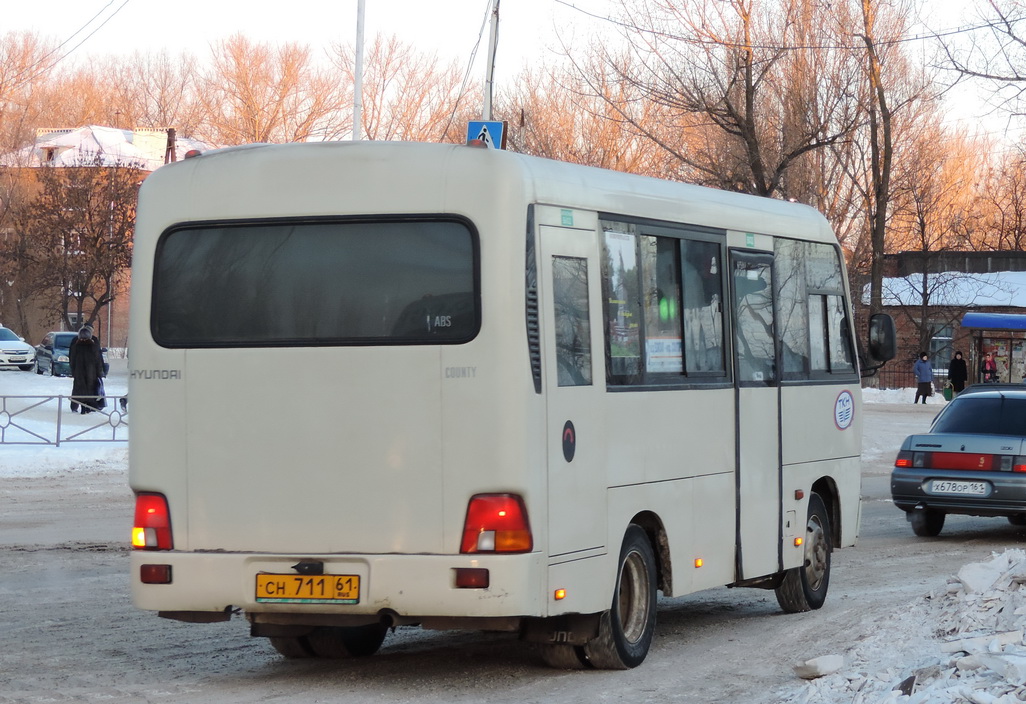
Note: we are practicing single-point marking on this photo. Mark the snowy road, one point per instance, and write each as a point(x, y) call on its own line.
point(68, 631)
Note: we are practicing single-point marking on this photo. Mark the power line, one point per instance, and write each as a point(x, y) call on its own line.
point(470, 65)
point(21, 77)
point(781, 47)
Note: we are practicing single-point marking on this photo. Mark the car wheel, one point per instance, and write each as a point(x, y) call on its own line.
point(926, 523)
point(805, 588)
point(1018, 519)
point(626, 629)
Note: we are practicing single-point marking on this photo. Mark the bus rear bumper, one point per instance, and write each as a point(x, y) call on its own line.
point(395, 588)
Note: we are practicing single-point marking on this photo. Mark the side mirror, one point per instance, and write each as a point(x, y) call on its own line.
point(883, 340)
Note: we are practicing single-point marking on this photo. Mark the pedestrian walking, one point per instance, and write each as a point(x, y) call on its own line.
point(958, 373)
point(923, 371)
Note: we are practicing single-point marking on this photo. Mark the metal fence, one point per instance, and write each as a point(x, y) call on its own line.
point(49, 420)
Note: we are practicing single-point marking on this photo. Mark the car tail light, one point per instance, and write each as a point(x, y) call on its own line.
point(152, 527)
point(974, 461)
point(496, 523)
point(904, 459)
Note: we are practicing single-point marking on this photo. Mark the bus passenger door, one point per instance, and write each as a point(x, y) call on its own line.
point(573, 383)
point(756, 379)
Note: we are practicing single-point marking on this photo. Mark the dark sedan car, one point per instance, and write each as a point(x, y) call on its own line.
point(972, 461)
point(52, 353)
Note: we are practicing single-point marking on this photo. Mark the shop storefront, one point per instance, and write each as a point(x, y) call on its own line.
point(1003, 336)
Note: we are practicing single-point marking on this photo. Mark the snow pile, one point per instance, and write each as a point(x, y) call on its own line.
point(963, 644)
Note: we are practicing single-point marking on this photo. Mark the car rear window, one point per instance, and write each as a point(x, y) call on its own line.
point(321, 282)
point(988, 416)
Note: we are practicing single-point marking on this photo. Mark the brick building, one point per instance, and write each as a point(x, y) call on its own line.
point(935, 292)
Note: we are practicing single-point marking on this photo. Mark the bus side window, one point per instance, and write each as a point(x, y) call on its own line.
point(753, 305)
point(570, 314)
point(792, 308)
point(703, 306)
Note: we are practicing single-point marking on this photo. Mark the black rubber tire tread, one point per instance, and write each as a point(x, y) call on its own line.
point(796, 593)
point(564, 657)
point(337, 642)
point(292, 647)
point(636, 569)
point(926, 523)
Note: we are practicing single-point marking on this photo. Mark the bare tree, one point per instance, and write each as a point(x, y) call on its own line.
point(934, 192)
point(268, 93)
point(995, 52)
point(77, 235)
point(408, 95)
point(553, 112)
point(763, 75)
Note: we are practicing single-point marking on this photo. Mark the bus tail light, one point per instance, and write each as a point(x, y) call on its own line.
point(152, 527)
point(496, 523)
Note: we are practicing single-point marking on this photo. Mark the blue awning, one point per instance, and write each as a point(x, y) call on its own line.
point(994, 321)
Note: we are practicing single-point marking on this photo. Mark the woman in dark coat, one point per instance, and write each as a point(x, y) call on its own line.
point(86, 362)
point(958, 373)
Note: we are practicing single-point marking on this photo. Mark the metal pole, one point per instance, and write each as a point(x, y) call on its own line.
point(358, 78)
point(493, 40)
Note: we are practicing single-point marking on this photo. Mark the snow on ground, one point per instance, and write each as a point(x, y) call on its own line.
point(90, 453)
point(963, 643)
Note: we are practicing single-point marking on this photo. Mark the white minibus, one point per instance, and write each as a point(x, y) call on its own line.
point(384, 384)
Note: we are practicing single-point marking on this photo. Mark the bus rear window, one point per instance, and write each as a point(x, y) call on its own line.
point(324, 282)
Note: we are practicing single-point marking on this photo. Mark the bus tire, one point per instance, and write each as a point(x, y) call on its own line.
point(805, 588)
point(926, 523)
point(333, 642)
point(291, 647)
point(626, 629)
point(564, 657)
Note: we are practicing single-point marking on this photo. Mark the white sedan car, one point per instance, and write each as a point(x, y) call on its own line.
point(15, 352)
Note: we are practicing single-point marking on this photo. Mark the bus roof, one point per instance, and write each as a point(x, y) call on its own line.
point(541, 180)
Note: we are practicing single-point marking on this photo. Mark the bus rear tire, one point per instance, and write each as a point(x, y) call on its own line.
point(564, 657)
point(805, 588)
point(626, 630)
point(333, 642)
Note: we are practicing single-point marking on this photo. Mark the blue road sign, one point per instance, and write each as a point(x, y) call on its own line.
point(491, 133)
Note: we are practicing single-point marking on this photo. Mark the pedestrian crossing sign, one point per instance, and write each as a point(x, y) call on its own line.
point(492, 134)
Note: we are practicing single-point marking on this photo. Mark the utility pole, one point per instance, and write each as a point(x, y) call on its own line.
point(493, 40)
point(358, 78)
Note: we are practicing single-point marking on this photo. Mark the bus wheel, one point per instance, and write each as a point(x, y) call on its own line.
point(805, 588)
point(564, 657)
point(333, 642)
point(291, 647)
point(626, 630)
point(925, 523)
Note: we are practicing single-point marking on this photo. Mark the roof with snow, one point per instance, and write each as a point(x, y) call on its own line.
point(144, 149)
point(956, 289)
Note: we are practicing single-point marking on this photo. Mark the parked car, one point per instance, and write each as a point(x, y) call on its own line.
point(52, 353)
point(15, 352)
point(971, 462)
